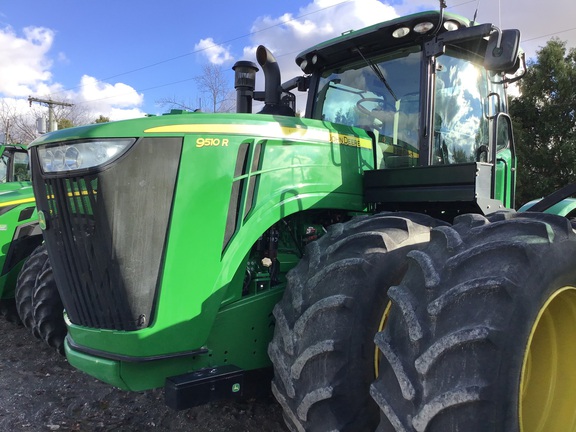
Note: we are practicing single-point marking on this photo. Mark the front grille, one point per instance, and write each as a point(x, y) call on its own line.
point(105, 233)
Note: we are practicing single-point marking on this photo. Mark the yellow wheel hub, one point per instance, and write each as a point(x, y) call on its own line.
point(548, 383)
point(381, 328)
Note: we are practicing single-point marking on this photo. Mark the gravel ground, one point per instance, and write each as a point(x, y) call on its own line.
point(40, 391)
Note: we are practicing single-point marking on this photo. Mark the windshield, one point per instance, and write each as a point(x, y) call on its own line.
point(21, 166)
point(14, 166)
point(4, 168)
point(379, 94)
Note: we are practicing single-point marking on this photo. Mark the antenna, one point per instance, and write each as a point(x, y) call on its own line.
point(440, 18)
point(476, 12)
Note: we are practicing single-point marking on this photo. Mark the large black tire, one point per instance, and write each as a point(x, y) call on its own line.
point(481, 335)
point(48, 310)
point(38, 301)
point(26, 283)
point(322, 350)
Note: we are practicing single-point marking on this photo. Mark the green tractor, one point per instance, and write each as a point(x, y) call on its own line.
point(366, 252)
point(19, 230)
point(28, 292)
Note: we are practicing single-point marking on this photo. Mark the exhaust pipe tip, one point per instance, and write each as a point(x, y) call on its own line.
point(272, 86)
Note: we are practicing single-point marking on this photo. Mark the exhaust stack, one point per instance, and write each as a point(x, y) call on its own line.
point(272, 86)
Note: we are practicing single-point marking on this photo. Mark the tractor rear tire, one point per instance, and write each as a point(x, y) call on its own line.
point(26, 283)
point(481, 334)
point(38, 301)
point(335, 301)
point(48, 310)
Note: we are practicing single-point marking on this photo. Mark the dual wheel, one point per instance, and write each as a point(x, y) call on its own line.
point(38, 302)
point(475, 326)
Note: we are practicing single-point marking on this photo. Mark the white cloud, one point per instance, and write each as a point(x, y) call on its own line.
point(216, 54)
point(117, 101)
point(287, 35)
point(320, 20)
point(118, 95)
point(123, 114)
point(25, 70)
point(25, 64)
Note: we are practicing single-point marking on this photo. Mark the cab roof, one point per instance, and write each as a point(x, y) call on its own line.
point(375, 38)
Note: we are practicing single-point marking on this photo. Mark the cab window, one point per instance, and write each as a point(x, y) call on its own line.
point(379, 94)
point(460, 124)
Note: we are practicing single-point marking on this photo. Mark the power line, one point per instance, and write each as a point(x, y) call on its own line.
point(550, 34)
point(103, 80)
point(137, 91)
point(247, 35)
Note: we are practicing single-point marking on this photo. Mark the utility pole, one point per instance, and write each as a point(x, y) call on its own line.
point(50, 103)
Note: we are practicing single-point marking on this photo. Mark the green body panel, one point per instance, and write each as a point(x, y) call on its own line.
point(15, 197)
point(505, 185)
point(239, 335)
point(566, 207)
point(104, 370)
point(18, 200)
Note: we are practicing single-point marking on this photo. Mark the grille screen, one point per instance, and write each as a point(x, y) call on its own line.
point(106, 233)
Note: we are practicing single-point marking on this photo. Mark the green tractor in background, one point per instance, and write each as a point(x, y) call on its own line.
point(28, 293)
point(366, 252)
point(19, 230)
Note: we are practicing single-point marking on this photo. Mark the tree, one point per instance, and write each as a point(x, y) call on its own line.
point(16, 126)
point(64, 123)
point(102, 119)
point(8, 118)
point(174, 103)
point(18, 120)
point(544, 118)
point(214, 84)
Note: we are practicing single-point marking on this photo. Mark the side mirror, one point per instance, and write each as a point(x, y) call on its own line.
point(502, 51)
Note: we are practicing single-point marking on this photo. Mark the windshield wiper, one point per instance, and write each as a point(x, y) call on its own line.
point(376, 69)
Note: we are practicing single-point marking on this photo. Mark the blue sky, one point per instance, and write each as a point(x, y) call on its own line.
point(120, 57)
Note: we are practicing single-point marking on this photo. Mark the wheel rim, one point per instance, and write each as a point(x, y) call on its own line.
point(547, 398)
point(380, 328)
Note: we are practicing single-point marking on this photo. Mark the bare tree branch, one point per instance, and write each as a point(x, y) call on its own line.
point(214, 84)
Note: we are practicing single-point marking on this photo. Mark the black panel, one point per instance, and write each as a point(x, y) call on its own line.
point(6, 209)
point(464, 186)
point(253, 179)
point(27, 237)
point(236, 193)
point(26, 213)
point(203, 386)
point(106, 233)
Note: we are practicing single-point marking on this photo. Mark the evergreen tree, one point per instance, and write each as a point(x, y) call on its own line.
point(544, 118)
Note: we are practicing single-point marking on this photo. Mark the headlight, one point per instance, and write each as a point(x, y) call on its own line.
point(451, 25)
point(400, 32)
point(423, 27)
point(82, 154)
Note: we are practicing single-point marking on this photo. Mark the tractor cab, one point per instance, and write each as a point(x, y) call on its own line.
point(430, 90)
point(14, 164)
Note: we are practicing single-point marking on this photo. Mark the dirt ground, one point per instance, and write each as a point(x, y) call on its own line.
point(40, 391)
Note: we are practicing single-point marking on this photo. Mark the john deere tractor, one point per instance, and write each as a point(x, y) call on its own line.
point(19, 231)
point(366, 252)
